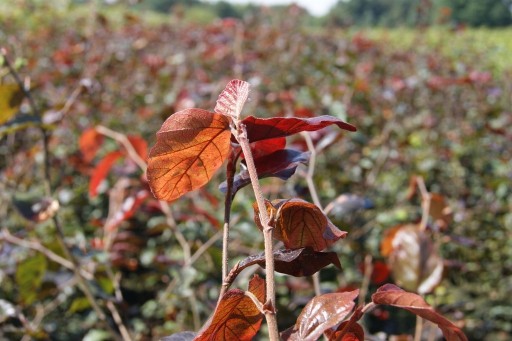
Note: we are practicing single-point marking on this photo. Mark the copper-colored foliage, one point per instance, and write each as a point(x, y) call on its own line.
point(390, 294)
point(413, 258)
point(269, 128)
point(191, 146)
point(301, 224)
point(89, 143)
point(354, 333)
point(320, 314)
point(236, 316)
point(232, 99)
point(140, 145)
point(101, 170)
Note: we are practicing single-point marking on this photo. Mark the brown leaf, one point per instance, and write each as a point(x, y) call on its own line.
point(320, 314)
point(232, 98)
point(191, 146)
point(392, 295)
point(413, 258)
point(302, 224)
point(354, 333)
point(298, 263)
point(236, 316)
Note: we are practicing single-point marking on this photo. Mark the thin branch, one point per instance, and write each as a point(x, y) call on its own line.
point(203, 248)
point(425, 202)
point(270, 315)
point(419, 328)
point(119, 321)
point(123, 140)
point(36, 246)
point(368, 269)
point(256, 302)
point(314, 195)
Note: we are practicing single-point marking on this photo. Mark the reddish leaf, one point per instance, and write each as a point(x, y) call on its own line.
point(301, 224)
point(413, 259)
point(236, 316)
point(89, 143)
point(191, 146)
point(280, 164)
point(127, 210)
point(298, 263)
point(232, 98)
point(140, 145)
point(101, 170)
point(392, 295)
point(320, 314)
point(266, 147)
point(268, 128)
point(354, 333)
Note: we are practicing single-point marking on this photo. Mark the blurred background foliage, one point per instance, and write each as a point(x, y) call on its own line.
point(431, 101)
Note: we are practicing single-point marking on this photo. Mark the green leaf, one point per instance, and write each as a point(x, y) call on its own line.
point(79, 304)
point(29, 277)
point(11, 97)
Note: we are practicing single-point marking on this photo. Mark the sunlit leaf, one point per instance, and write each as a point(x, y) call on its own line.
point(413, 258)
point(280, 164)
point(392, 295)
point(320, 314)
point(11, 97)
point(301, 224)
point(140, 145)
point(29, 277)
point(268, 128)
point(266, 147)
point(236, 316)
point(232, 98)
point(191, 146)
point(89, 143)
point(101, 170)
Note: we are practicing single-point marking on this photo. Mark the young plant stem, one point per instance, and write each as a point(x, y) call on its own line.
point(230, 175)
point(314, 196)
point(270, 314)
point(419, 328)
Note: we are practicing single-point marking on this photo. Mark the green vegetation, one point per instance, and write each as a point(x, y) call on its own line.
point(431, 104)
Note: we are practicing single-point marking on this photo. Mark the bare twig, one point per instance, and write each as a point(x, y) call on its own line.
point(368, 269)
point(119, 321)
point(123, 140)
point(425, 202)
point(34, 245)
